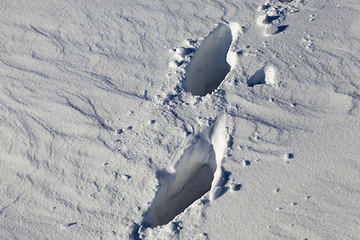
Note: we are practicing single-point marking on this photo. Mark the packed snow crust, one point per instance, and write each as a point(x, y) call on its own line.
point(180, 119)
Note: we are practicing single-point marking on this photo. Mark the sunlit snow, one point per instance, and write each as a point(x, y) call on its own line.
point(180, 119)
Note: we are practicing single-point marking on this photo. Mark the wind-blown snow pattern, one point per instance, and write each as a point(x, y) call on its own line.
point(257, 104)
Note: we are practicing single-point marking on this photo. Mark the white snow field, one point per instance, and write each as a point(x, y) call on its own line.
point(207, 119)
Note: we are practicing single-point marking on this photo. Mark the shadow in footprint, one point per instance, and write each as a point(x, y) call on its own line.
point(196, 171)
point(208, 68)
point(221, 188)
point(270, 19)
point(281, 29)
point(193, 178)
point(265, 75)
point(257, 78)
point(236, 187)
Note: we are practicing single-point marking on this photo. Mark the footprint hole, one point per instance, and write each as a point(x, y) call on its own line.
point(209, 66)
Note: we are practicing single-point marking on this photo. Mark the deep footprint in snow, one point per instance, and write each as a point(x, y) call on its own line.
point(209, 66)
point(197, 171)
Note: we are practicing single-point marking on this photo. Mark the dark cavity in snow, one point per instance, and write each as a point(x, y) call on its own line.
point(208, 67)
point(192, 179)
point(257, 78)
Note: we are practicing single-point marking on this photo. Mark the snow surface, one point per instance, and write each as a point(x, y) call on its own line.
point(117, 116)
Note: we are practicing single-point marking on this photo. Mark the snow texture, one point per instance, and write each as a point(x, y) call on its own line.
point(180, 119)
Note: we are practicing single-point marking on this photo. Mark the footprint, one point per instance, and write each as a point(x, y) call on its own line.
point(272, 16)
point(312, 17)
point(197, 171)
point(309, 43)
point(263, 76)
point(209, 66)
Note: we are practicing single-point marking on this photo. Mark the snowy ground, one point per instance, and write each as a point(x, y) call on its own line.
point(115, 116)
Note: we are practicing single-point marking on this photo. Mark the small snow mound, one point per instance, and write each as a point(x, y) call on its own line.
point(270, 74)
point(232, 56)
point(261, 20)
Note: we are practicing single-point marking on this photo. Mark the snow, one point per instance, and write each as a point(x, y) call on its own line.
point(180, 120)
point(208, 67)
